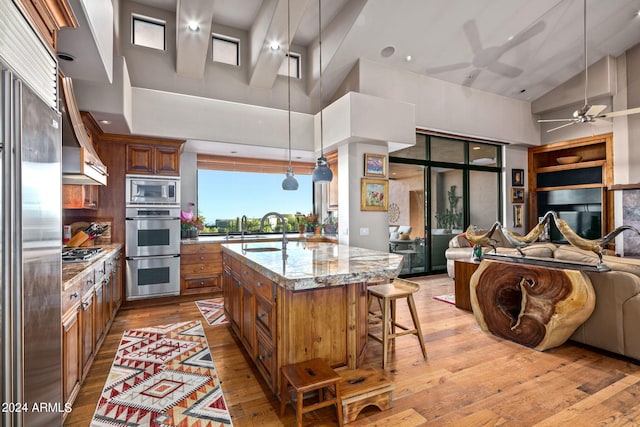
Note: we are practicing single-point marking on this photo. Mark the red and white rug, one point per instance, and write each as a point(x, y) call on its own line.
point(213, 311)
point(448, 298)
point(163, 376)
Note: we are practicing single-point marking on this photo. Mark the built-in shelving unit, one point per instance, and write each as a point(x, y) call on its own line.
point(579, 188)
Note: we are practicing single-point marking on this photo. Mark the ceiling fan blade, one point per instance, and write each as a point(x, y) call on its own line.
point(444, 68)
point(525, 35)
point(594, 110)
point(620, 113)
point(505, 69)
point(473, 35)
point(561, 126)
point(600, 122)
point(554, 120)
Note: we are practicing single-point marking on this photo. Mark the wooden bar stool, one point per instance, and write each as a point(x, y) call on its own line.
point(308, 376)
point(387, 295)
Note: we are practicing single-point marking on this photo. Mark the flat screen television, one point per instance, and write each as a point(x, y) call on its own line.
point(580, 208)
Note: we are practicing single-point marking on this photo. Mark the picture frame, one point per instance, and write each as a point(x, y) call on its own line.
point(375, 165)
point(374, 194)
point(517, 195)
point(517, 177)
point(517, 216)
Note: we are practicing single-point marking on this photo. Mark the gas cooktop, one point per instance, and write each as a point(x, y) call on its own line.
point(80, 254)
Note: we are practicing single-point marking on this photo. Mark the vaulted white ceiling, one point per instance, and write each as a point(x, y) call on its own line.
point(516, 48)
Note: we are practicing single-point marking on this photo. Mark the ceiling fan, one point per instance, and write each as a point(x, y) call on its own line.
point(489, 58)
point(588, 113)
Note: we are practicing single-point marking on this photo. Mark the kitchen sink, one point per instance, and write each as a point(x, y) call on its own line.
point(261, 249)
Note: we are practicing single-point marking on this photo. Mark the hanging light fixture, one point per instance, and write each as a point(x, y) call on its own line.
point(321, 173)
point(290, 183)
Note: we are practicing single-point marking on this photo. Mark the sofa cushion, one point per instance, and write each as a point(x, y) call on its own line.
point(570, 253)
point(459, 241)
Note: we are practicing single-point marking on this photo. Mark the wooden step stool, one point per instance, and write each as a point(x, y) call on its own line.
point(312, 375)
point(364, 387)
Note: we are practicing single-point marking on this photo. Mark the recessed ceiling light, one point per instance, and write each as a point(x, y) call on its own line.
point(408, 58)
point(65, 56)
point(234, 152)
point(274, 46)
point(105, 122)
point(193, 26)
point(638, 13)
point(523, 90)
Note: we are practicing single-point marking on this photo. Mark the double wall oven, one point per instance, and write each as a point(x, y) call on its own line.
point(152, 243)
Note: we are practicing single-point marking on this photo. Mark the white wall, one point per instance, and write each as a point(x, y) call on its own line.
point(449, 107)
point(354, 223)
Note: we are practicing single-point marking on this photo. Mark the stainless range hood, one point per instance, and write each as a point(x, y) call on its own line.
point(80, 162)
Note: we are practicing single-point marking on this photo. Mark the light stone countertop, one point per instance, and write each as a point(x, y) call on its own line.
point(252, 238)
point(310, 265)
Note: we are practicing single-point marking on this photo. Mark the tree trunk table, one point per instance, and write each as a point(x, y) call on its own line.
point(536, 306)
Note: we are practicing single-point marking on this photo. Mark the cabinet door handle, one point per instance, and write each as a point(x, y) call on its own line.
point(84, 306)
point(202, 258)
point(73, 295)
point(261, 315)
point(259, 284)
point(261, 358)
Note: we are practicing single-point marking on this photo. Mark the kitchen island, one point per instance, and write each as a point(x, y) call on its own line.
point(308, 301)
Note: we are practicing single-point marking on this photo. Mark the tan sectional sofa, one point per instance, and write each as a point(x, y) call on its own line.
point(461, 248)
point(616, 316)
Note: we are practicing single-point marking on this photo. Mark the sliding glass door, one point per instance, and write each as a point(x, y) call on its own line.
point(437, 188)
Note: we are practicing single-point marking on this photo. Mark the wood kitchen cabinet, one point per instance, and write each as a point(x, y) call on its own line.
point(200, 268)
point(71, 342)
point(152, 159)
point(250, 306)
point(76, 196)
point(89, 306)
point(278, 326)
point(49, 16)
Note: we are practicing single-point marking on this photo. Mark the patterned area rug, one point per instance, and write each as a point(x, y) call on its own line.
point(213, 311)
point(163, 376)
point(448, 298)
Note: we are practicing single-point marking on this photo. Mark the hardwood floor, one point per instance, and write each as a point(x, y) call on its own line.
point(469, 379)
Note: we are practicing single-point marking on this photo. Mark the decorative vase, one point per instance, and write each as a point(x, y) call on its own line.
point(193, 233)
point(184, 234)
point(301, 228)
point(317, 230)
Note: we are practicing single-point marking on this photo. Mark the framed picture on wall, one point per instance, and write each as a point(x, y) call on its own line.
point(517, 216)
point(517, 195)
point(375, 165)
point(517, 177)
point(374, 194)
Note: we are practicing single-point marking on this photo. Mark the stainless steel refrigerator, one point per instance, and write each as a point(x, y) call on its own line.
point(31, 227)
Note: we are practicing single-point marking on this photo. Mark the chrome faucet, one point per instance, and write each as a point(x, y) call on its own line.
point(284, 226)
point(243, 225)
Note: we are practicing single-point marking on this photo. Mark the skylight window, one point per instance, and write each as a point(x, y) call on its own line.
point(294, 59)
point(225, 50)
point(148, 32)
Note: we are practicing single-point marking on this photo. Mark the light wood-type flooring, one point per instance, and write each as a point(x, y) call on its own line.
point(469, 379)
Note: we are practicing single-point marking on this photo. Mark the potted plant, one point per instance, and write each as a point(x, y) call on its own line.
point(190, 228)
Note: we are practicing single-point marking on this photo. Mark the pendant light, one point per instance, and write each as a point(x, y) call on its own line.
point(321, 173)
point(290, 183)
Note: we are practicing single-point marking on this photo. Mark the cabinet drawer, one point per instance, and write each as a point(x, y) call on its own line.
point(202, 258)
point(265, 317)
point(200, 248)
point(202, 282)
point(200, 269)
point(264, 287)
point(266, 358)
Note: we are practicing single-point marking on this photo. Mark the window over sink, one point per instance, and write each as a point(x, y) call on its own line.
point(224, 197)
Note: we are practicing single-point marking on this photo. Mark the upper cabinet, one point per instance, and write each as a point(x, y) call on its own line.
point(153, 159)
point(48, 17)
